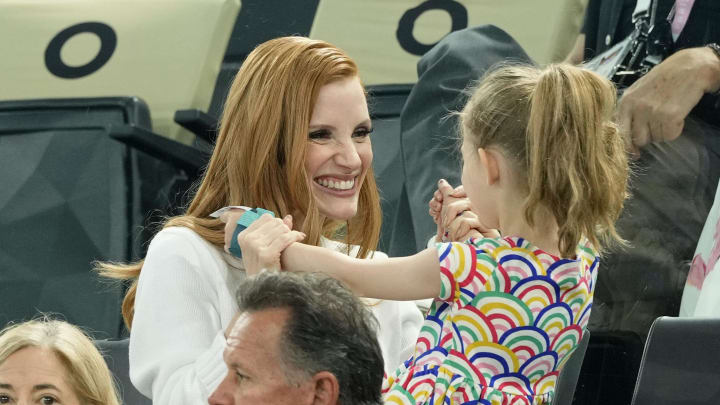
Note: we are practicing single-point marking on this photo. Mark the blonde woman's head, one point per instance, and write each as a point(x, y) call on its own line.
point(49, 361)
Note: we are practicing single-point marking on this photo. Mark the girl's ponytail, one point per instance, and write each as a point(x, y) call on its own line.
point(576, 159)
point(556, 125)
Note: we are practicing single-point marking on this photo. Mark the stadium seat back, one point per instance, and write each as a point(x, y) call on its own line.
point(569, 375)
point(116, 356)
point(681, 363)
point(71, 195)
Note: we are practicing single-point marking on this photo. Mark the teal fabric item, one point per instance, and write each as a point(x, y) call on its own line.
point(247, 218)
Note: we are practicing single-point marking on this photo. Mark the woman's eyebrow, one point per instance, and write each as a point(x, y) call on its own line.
point(5, 386)
point(321, 126)
point(40, 387)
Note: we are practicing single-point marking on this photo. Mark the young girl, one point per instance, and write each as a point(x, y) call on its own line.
point(545, 165)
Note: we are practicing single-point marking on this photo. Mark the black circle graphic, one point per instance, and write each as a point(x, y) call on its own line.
point(458, 16)
point(108, 42)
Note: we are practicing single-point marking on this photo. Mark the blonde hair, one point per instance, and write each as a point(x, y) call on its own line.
point(259, 156)
point(555, 124)
point(85, 367)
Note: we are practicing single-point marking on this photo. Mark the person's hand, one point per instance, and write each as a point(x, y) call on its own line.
point(452, 212)
point(264, 240)
point(436, 202)
point(230, 219)
point(654, 108)
point(444, 193)
point(467, 225)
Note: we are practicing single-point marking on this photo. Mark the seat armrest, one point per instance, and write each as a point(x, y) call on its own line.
point(201, 124)
point(184, 157)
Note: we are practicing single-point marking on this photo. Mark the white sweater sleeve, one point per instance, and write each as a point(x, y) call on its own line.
point(177, 337)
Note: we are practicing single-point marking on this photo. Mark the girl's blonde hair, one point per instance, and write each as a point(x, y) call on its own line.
point(85, 367)
point(555, 124)
point(259, 156)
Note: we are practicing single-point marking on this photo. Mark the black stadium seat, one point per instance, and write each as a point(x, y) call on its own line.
point(386, 103)
point(681, 363)
point(569, 375)
point(71, 195)
point(116, 356)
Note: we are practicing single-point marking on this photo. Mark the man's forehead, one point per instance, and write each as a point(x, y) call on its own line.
point(257, 327)
point(236, 329)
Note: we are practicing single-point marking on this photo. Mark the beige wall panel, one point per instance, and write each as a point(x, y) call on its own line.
point(367, 30)
point(168, 51)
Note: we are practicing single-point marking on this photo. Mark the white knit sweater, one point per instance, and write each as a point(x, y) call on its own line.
point(185, 301)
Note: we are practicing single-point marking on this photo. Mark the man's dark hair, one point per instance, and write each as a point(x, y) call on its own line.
point(328, 329)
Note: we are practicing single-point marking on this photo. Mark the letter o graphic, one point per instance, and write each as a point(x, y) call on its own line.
point(404, 33)
point(108, 42)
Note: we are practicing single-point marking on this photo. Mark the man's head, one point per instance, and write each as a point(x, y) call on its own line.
point(300, 339)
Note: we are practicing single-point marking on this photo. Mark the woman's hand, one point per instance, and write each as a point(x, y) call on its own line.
point(452, 212)
point(264, 240)
point(230, 218)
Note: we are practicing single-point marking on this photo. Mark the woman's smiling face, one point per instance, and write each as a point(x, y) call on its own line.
point(339, 151)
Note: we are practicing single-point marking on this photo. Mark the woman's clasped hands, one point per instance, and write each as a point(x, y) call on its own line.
point(263, 241)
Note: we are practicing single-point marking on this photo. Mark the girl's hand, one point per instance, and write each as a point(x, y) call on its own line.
point(435, 206)
point(444, 194)
point(467, 225)
point(446, 198)
point(455, 219)
point(264, 240)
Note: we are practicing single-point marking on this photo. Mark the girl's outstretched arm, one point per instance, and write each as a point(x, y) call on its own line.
point(269, 242)
point(398, 278)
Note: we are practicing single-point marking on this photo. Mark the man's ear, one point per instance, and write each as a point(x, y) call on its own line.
point(489, 161)
point(327, 388)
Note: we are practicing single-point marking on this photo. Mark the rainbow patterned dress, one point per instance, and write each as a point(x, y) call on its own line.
point(507, 319)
